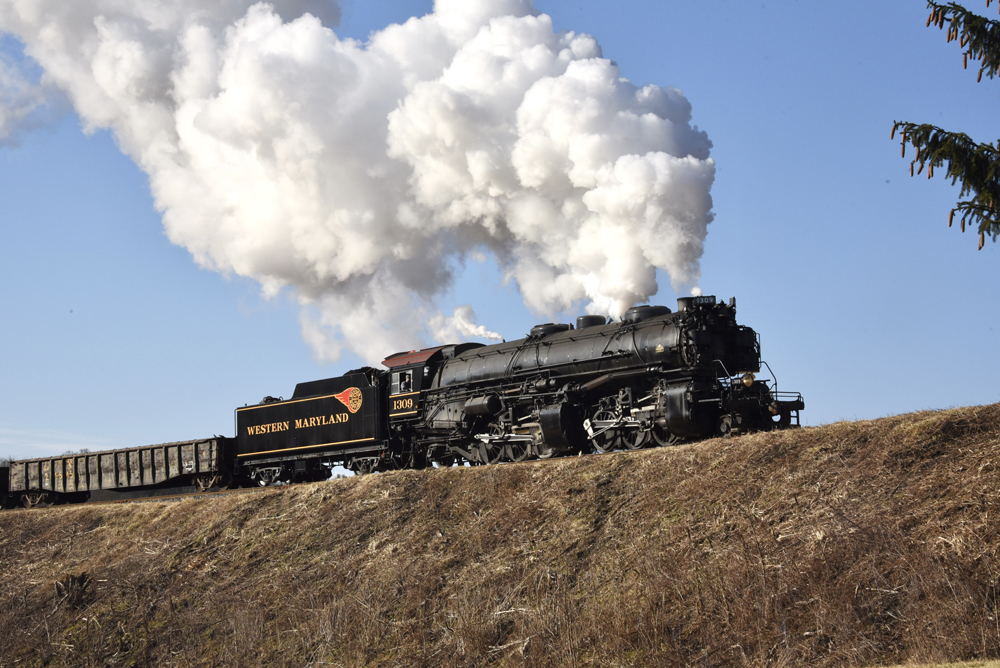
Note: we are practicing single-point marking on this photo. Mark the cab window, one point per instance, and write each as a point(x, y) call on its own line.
point(402, 382)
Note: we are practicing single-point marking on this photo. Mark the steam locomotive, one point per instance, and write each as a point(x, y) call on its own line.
point(656, 377)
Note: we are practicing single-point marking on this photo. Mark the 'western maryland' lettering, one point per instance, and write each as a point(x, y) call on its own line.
point(320, 421)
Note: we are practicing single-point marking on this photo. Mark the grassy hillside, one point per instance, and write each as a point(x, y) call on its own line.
point(849, 544)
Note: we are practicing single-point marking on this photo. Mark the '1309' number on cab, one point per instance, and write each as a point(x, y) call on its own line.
point(402, 404)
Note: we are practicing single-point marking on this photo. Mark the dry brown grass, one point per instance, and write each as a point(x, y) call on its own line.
point(963, 664)
point(850, 544)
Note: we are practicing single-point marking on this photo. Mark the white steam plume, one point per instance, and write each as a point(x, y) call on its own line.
point(357, 174)
point(461, 324)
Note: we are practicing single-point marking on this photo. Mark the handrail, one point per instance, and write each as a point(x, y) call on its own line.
point(773, 377)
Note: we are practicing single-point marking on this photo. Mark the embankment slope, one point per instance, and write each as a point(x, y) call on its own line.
point(848, 544)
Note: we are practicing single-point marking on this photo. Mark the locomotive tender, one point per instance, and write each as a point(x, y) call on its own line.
point(656, 377)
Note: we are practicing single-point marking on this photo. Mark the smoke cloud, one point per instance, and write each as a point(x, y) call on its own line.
point(361, 174)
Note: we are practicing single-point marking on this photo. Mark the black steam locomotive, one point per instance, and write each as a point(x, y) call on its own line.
point(654, 378)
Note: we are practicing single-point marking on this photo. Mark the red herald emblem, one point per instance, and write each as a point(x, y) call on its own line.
point(351, 398)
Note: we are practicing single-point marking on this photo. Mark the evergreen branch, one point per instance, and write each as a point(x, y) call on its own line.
point(976, 166)
point(979, 36)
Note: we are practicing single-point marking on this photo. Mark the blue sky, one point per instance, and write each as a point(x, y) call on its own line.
point(865, 300)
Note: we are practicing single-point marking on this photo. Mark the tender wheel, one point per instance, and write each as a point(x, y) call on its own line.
point(635, 439)
point(267, 476)
point(605, 440)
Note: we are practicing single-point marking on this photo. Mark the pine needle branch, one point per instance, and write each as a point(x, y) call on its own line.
point(980, 37)
point(975, 166)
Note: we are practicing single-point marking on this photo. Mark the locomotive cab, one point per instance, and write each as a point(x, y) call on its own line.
point(409, 373)
point(412, 373)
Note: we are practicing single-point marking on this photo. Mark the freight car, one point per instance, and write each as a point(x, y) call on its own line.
point(656, 377)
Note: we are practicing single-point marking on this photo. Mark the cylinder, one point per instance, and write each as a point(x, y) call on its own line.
point(487, 405)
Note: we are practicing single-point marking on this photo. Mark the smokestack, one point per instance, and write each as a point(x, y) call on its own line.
point(359, 174)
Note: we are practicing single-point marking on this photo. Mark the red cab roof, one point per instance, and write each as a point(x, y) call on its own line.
point(410, 357)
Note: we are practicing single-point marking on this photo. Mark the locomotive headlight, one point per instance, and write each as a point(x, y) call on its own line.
point(748, 379)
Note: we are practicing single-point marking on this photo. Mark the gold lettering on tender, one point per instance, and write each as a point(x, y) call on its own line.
point(304, 423)
point(258, 429)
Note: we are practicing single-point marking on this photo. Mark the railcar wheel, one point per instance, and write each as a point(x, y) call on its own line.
point(545, 451)
point(35, 500)
point(635, 439)
point(361, 466)
point(207, 482)
point(266, 476)
point(605, 440)
point(491, 452)
point(518, 451)
point(662, 436)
